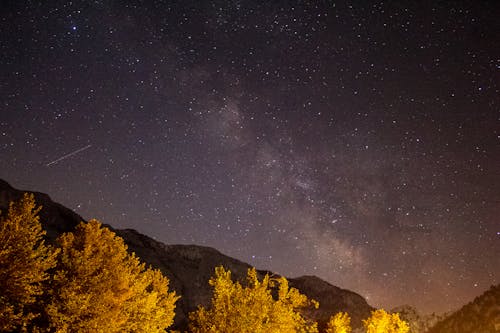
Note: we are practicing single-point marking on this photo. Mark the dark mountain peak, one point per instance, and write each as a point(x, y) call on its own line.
point(332, 299)
point(189, 267)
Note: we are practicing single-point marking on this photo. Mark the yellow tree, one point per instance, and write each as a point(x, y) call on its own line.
point(340, 323)
point(100, 287)
point(24, 261)
point(383, 322)
point(236, 308)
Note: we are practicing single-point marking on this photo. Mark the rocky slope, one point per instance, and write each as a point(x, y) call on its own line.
point(189, 267)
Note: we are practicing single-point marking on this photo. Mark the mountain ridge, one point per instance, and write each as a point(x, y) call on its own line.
point(481, 315)
point(189, 267)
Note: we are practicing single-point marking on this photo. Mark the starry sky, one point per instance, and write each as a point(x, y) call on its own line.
point(355, 141)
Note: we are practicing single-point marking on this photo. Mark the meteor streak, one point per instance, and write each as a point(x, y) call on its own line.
point(68, 155)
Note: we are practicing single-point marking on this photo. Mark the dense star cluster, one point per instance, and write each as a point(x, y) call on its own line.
point(356, 141)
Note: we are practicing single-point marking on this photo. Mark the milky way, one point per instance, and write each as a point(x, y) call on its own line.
point(358, 142)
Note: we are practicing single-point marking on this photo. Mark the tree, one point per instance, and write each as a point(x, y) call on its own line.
point(99, 287)
point(24, 262)
point(252, 308)
point(340, 323)
point(383, 322)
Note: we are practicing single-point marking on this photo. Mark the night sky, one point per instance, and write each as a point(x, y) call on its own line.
point(359, 142)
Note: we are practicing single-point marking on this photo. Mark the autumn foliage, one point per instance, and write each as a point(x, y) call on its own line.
point(252, 308)
point(94, 285)
point(100, 287)
point(90, 282)
point(383, 322)
point(24, 262)
point(339, 323)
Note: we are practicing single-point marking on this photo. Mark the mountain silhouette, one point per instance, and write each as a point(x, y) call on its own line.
point(189, 267)
point(482, 315)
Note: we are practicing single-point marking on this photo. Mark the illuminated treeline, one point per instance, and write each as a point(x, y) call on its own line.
point(89, 282)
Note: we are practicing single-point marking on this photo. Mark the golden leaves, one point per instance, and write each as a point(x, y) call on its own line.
point(95, 285)
point(340, 323)
point(99, 286)
point(383, 322)
point(24, 261)
point(251, 308)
